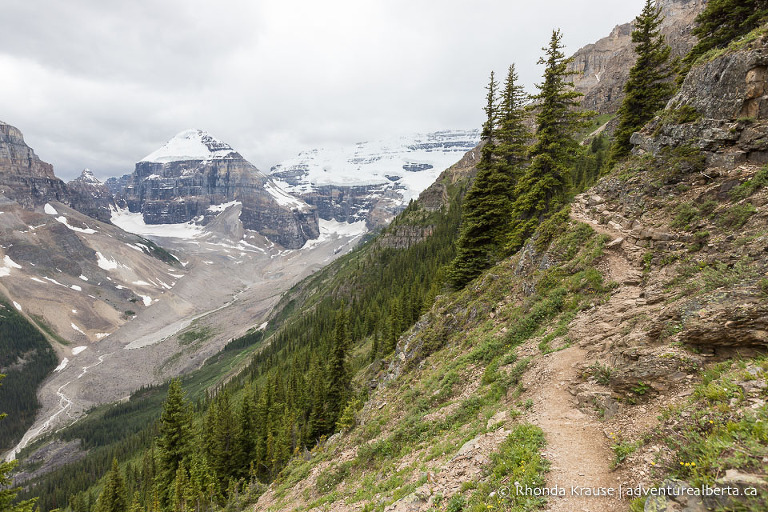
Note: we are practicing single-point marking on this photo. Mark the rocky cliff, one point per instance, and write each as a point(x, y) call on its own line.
point(24, 178)
point(193, 172)
point(721, 109)
point(602, 68)
point(90, 196)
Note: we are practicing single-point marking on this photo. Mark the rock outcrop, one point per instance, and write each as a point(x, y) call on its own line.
point(24, 178)
point(602, 68)
point(90, 196)
point(194, 172)
point(721, 109)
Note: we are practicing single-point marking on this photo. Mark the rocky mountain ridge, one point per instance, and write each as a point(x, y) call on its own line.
point(91, 197)
point(374, 180)
point(193, 172)
point(25, 178)
point(602, 68)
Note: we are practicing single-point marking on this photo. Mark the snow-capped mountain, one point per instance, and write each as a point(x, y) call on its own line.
point(193, 171)
point(371, 181)
point(192, 145)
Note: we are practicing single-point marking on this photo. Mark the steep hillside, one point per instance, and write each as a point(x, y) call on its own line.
point(624, 353)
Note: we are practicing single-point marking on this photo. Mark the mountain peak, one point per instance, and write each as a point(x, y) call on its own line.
point(191, 144)
point(87, 177)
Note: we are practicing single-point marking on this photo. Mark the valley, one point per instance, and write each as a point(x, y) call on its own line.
point(215, 281)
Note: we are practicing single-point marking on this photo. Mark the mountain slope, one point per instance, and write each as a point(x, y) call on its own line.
point(597, 358)
point(599, 338)
point(107, 299)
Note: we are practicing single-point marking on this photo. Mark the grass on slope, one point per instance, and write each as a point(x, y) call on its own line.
point(464, 370)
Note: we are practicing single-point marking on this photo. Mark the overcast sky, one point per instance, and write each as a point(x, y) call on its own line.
point(100, 84)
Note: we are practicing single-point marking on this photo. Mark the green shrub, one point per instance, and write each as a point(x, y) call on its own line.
point(601, 372)
point(622, 450)
point(685, 216)
point(749, 187)
point(736, 216)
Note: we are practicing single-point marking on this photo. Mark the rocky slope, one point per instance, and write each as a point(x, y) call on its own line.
point(602, 68)
point(181, 181)
point(48, 245)
point(373, 181)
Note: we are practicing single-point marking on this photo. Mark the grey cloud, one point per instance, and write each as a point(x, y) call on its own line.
point(102, 84)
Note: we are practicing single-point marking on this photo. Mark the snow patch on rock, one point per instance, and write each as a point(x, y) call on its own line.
point(190, 145)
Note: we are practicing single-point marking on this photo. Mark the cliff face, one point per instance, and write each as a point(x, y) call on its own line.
point(721, 109)
point(194, 172)
point(602, 68)
point(90, 196)
point(25, 178)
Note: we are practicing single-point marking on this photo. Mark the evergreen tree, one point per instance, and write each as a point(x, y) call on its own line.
point(488, 134)
point(114, 497)
point(648, 87)
point(174, 443)
point(375, 346)
point(722, 21)
point(181, 493)
point(317, 423)
point(487, 206)
point(512, 133)
point(136, 505)
point(220, 438)
point(544, 186)
point(245, 442)
point(339, 378)
point(8, 494)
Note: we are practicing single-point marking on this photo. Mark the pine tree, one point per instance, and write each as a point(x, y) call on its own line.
point(375, 346)
point(648, 87)
point(722, 21)
point(512, 133)
point(136, 505)
point(245, 440)
point(487, 206)
point(317, 422)
point(488, 134)
point(174, 444)
point(220, 432)
point(339, 378)
point(8, 494)
point(543, 188)
point(114, 497)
